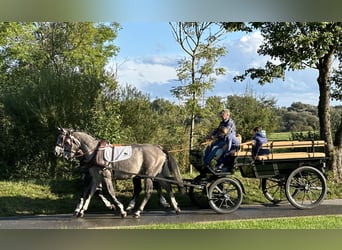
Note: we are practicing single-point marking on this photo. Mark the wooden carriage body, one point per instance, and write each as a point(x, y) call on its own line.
point(283, 158)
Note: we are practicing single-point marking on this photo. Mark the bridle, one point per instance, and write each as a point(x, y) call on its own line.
point(71, 145)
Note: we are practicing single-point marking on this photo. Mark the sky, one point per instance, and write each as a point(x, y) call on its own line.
point(149, 56)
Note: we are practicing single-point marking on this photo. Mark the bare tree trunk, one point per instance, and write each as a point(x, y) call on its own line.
point(324, 111)
point(192, 127)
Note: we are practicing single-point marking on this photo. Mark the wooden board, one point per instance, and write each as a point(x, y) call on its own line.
point(292, 144)
point(292, 155)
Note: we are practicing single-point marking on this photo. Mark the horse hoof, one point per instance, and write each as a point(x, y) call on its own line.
point(123, 215)
point(129, 210)
point(136, 214)
point(178, 211)
point(80, 215)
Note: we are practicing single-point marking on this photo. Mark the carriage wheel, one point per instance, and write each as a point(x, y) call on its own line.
point(273, 189)
point(306, 187)
point(225, 195)
point(198, 196)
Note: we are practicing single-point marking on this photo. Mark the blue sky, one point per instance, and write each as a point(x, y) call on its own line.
point(148, 59)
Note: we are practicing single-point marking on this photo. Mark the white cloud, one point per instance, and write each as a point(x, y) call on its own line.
point(146, 71)
point(250, 43)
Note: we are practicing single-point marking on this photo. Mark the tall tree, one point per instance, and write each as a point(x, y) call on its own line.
point(197, 71)
point(50, 75)
point(296, 46)
point(249, 112)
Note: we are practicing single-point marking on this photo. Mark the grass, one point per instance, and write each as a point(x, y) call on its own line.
point(279, 136)
point(308, 222)
point(285, 136)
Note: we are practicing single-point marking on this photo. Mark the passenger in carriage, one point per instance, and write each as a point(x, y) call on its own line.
point(259, 138)
point(225, 137)
point(227, 122)
point(225, 162)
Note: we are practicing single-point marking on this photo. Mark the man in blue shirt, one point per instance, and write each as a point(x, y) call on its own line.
point(225, 135)
point(225, 122)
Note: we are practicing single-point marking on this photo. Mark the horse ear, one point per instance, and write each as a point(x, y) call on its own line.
point(68, 132)
point(62, 130)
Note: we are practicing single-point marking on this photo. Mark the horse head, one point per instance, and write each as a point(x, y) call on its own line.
point(59, 148)
point(74, 144)
point(67, 145)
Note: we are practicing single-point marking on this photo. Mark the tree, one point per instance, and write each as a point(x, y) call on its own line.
point(297, 46)
point(197, 70)
point(249, 112)
point(50, 75)
point(105, 120)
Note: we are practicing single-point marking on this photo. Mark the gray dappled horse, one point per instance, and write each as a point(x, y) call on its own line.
point(147, 161)
point(86, 186)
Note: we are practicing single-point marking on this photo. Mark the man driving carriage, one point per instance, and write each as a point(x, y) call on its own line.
point(225, 143)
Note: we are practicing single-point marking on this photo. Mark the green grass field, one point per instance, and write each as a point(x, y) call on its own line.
point(281, 136)
point(309, 222)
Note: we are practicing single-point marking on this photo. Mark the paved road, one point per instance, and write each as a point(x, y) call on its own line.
point(67, 221)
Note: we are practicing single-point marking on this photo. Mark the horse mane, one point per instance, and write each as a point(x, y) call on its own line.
point(88, 139)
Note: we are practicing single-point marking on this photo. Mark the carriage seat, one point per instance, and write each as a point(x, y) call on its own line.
point(245, 150)
point(242, 153)
point(293, 144)
point(292, 155)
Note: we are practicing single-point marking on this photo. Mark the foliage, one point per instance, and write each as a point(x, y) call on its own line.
point(249, 112)
point(105, 120)
point(296, 46)
point(336, 79)
point(50, 76)
point(35, 112)
point(197, 71)
point(304, 136)
point(298, 117)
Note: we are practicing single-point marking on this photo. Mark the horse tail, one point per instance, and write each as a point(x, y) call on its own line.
point(174, 168)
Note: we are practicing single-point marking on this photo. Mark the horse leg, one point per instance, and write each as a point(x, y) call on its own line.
point(96, 179)
point(84, 194)
point(136, 191)
point(168, 189)
point(107, 178)
point(162, 199)
point(107, 203)
point(148, 191)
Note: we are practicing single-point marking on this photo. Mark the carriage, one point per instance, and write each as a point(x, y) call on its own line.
point(293, 170)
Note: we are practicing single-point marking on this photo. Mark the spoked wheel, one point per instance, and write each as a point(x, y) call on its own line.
point(274, 189)
point(306, 187)
point(225, 195)
point(198, 196)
